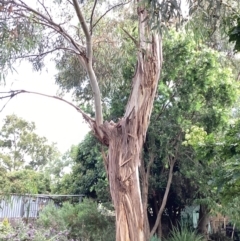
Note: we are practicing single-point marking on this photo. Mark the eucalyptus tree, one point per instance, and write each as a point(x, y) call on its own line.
point(35, 30)
point(169, 170)
point(24, 181)
point(124, 138)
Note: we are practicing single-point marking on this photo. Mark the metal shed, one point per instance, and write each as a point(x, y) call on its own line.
point(29, 205)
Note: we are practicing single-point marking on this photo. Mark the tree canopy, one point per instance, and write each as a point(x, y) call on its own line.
point(21, 147)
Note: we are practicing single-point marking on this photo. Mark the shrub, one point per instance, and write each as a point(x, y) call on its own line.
point(23, 232)
point(184, 234)
point(70, 222)
point(155, 238)
point(51, 217)
point(5, 229)
point(82, 220)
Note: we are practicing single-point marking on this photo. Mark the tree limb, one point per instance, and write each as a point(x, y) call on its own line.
point(115, 6)
point(172, 161)
point(47, 22)
point(164, 201)
point(45, 53)
point(84, 54)
point(12, 93)
point(131, 37)
point(6, 103)
point(89, 67)
point(91, 19)
point(82, 20)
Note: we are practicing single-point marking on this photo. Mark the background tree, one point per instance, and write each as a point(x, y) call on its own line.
point(21, 147)
point(25, 182)
point(88, 174)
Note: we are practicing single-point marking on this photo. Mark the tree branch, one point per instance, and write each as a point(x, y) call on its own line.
point(91, 19)
point(45, 53)
point(164, 201)
point(44, 20)
point(115, 6)
point(12, 93)
point(6, 103)
point(45, 9)
point(84, 54)
point(81, 20)
point(131, 37)
point(89, 67)
point(172, 161)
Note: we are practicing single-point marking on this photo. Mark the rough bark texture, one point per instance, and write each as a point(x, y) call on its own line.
point(125, 140)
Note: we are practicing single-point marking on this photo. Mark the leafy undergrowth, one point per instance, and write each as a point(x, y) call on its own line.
point(80, 222)
point(29, 232)
point(181, 234)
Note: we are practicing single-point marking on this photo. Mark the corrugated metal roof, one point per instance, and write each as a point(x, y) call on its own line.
point(28, 206)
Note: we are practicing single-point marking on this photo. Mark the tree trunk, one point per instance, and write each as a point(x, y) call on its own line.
point(125, 140)
point(203, 220)
point(125, 186)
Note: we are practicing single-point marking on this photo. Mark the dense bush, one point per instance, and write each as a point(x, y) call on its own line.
point(82, 220)
point(5, 229)
point(28, 232)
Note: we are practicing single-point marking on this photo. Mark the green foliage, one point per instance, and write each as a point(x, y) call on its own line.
point(155, 238)
point(21, 147)
point(83, 221)
point(51, 216)
point(195, 96)
point(23, 152)
point(5, 228)
point(184, 234)
point(28, 37)
point(234, 33)
point(195, 136)
point(25, 181)
point(23, 232)
point(226, 176)
point(19, 37)
point(88, 174)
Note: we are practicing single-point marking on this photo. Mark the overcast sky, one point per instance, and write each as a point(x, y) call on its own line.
point(55, 120)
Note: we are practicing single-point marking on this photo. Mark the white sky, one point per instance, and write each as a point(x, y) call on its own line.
point(57, 121)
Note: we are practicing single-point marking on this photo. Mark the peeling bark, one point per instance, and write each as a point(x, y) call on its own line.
point(125, 139)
